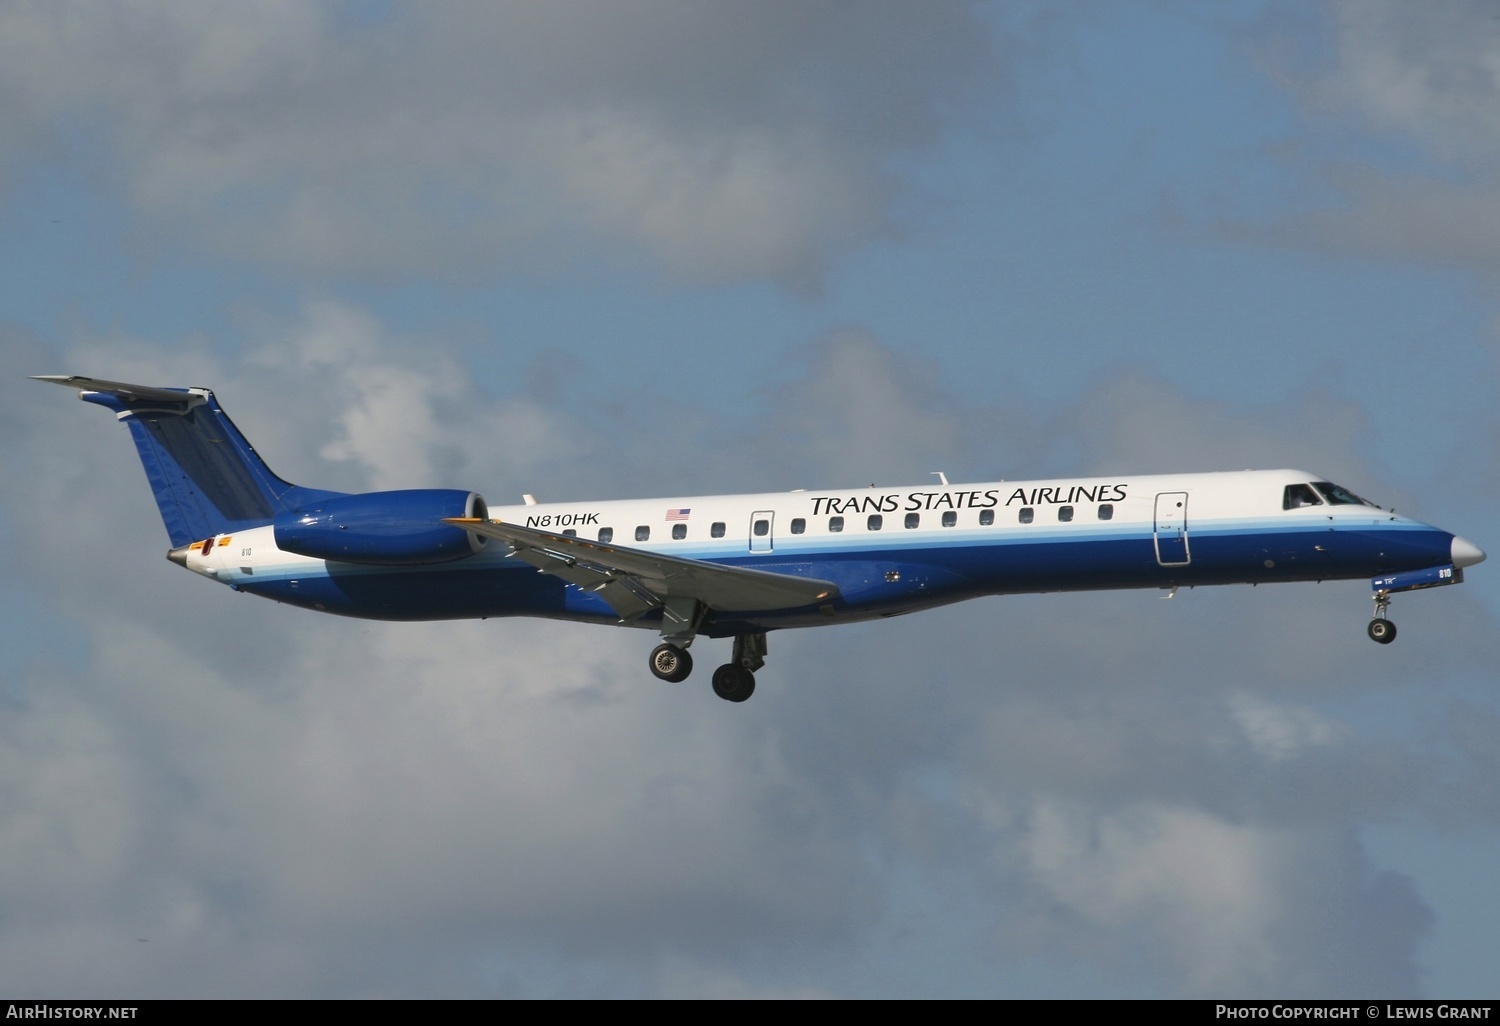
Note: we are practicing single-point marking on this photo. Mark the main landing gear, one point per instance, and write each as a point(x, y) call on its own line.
point(733, 682)
point(1381, 629)
point(671, 663)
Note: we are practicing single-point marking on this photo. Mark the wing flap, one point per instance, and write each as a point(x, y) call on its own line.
point(634, 581)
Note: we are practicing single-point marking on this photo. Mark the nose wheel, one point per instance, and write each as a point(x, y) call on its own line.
point(1382, 630)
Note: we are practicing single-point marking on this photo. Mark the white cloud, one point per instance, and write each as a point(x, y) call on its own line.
point(1281, 732)
point(1230, 909)
point(1432, 73)
point(404, 412)
point(1205, 886)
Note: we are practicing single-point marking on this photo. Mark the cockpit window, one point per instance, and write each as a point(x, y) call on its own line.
point(1298, 495)
point(1340, 496)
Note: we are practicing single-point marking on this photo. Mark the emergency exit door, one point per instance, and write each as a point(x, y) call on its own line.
point(760, 530)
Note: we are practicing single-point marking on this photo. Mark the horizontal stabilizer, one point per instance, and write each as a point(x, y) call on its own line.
point(121, 390)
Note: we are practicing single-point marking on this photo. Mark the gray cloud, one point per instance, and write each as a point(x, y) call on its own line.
point(723, 142)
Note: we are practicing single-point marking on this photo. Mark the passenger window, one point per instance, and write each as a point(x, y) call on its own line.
point(1065, 514)
point(717, 530)
point(1027, 514)
point(606, 534)
point(835, 525)
point(679, 532)
point(912, 520)
point(798, 525)
point(1107, 511)
point(1298, 495)
point(571, 533)
point(643, 533)
point(986, 517)
point(762, 528)
point(950, 518)
point(873, 524)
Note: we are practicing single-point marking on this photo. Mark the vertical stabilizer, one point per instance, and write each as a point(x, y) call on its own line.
point(206, 476)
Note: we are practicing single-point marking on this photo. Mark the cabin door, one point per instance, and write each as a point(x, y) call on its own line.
point(1171, 529)
point(760, 530)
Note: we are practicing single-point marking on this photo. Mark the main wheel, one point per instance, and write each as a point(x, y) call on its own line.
point(1382, 630)
point(733, 683)
point(671, 663)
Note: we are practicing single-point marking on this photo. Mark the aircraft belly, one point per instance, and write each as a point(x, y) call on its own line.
point(1390, 551)
point(435, 593)
point(1323, 553)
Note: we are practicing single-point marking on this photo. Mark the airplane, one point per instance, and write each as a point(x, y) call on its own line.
point(742, 566)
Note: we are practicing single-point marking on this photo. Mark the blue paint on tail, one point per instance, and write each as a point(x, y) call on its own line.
point(207, 478)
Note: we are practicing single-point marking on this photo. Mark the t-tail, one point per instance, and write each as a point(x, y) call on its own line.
point(207, 478)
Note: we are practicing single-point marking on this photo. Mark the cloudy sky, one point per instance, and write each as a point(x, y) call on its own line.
point(588, 250)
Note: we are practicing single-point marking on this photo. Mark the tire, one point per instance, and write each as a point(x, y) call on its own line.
point(733, 683)
point(670, 663)
point(1382, 631)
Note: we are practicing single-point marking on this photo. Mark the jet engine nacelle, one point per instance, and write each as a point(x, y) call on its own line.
point(402, 528)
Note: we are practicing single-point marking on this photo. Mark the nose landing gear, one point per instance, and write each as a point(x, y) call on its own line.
point(1382, 630)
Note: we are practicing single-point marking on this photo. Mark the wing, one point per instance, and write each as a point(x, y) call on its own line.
point(634, 581)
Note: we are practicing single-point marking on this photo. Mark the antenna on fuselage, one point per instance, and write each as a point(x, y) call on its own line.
point(941, 477)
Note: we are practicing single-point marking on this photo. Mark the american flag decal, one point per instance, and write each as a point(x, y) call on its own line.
point(678, 514)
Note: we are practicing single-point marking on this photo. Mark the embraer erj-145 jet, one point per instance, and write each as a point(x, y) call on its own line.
point(740, 566)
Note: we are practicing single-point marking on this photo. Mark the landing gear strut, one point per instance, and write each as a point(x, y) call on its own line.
point(735, 680)
point(680, 617)
point(1381, 629)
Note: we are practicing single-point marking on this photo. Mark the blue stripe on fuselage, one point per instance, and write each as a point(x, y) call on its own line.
point(948, 569)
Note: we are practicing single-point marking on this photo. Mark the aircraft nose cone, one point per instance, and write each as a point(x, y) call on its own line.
point(1466, 553)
